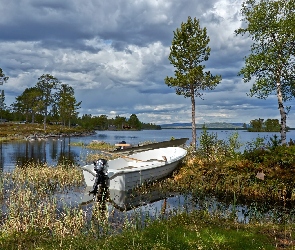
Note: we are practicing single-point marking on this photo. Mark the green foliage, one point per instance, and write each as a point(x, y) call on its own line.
point(258, 143)
point(86, 121)
point(188, 51)
point(273, 155)
point(150, 126)
point(3, 78)
point(259, 125)
point(29, 103)
point(119, 123)
point(274, 142)
point(47, 84)
point(213, 149)
point(234, 145)
point(210, 146)
point(134, 122)
point(272, 125)
point(270, 24)
point(99, 122)
point(34, 102)
point(66, 103)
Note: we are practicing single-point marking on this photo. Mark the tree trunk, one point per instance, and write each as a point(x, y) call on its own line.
point(194, 133)
point(33, 117)
point(282, 113)
point(45, 116)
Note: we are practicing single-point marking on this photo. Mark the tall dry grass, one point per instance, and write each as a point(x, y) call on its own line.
point(30, 204)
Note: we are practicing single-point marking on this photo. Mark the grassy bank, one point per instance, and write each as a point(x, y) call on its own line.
point(263, 172)
point(14, 131)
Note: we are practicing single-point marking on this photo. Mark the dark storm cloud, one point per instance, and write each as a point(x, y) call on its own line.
point(139, 22)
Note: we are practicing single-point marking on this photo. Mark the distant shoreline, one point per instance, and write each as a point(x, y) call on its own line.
point(210, 128)
point(231, 129)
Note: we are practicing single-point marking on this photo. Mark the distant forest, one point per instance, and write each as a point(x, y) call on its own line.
point(118, 123)
point(87, 121)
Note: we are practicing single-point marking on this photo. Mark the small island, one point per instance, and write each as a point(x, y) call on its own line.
point(259, 125)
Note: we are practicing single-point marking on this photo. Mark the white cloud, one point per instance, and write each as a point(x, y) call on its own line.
point(115, 55)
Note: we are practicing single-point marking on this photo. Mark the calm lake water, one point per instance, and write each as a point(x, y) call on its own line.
point(54, 151)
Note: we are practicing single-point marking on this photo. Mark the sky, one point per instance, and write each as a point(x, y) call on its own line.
point(115, 55)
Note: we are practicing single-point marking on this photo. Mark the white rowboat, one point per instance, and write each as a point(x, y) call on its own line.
point(128, 172)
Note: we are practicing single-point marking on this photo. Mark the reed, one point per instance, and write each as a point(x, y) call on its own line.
point(1, 185)
point(94, 156)
point(95, 145)
point(32, 207)
point(43, 176)
point(29, 211)
point(30, 203)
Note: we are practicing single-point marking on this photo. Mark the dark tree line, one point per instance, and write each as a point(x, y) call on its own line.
point(102, 122)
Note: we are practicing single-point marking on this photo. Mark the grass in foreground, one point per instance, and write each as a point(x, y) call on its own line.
point(197, 230)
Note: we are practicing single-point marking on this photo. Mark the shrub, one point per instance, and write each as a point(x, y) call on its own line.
point(270, 154)
point(213, 149)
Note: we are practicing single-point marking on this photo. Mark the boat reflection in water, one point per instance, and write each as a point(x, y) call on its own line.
point(116, 207)
point(123, 200)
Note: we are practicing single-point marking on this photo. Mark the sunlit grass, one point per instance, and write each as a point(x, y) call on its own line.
point(101, 145)
point(197, 230)
point(30, 205)
point(233, 176)
point(45, 176)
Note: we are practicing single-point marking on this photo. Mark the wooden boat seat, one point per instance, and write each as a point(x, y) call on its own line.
point(164, 159)
point(122, 145)
point(128, 167)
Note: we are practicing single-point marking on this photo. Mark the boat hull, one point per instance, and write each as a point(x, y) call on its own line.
point(126, 173)
point(129, 180)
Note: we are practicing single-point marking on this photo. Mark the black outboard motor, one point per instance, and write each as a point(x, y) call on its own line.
point(101, 169)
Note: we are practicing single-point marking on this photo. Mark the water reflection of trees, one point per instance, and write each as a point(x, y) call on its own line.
point(51, 151)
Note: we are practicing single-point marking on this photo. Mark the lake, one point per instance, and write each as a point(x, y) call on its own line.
point(54, 151)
